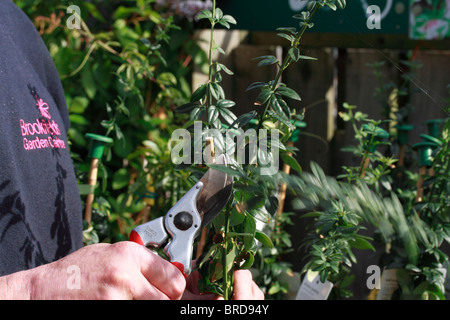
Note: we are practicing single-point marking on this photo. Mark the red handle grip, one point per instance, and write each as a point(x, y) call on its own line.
point(135, 237)
point(180, 267)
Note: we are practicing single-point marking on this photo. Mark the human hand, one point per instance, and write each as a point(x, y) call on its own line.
point(244, 288)
point(124, 270)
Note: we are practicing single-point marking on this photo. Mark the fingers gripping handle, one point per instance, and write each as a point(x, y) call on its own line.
point(150, 234)
point(135, 237)
point(182, 222)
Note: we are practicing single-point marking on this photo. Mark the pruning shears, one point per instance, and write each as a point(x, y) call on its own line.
point(177, 230)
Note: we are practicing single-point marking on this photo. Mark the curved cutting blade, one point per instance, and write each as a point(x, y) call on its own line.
point(216, 192)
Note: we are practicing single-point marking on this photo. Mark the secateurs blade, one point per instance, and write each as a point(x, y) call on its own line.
point(176, 231)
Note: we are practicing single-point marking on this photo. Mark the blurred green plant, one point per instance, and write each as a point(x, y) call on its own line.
point(410, 232)
point(421, 276)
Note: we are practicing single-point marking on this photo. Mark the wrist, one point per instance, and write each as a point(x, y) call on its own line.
point(16, 286)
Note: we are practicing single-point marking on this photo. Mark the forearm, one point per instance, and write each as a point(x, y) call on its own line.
point(16, 286)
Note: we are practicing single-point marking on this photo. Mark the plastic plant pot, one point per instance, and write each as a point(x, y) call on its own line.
point(428, 138)
point(403, 133)
point(98, 144)
point(425, 150)
point(434, 127)
point(96, 150)
point(295, 135)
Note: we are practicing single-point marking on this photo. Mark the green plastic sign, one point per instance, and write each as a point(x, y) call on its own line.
point(419, 20)
point(359, 16)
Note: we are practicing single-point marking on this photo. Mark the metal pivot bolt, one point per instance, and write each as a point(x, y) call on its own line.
point(183, 220)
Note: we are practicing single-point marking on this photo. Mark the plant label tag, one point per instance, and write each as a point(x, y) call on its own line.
point(388, 284)
point(312, 288)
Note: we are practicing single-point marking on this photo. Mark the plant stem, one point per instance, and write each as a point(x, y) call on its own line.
point(362, 168)
point(211, 45)
point(286, 62)
point(226, 285)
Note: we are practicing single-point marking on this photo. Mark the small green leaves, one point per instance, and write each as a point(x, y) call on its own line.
point(187, 108)
point(216, 90)
point(341, 4)
point(213, 114)
point(222, 67)
point(227, 115)
point(267, 60)
point(224, 103)
point(200, 93)
point(288, 37)
point(294, 53)
point(227, 20)
point(291, 161)
point(205, 14)
point(257, 85)
point(264, 239)
point(244, 119)
point(217, 18)
point(197, 112)
point(288, 92)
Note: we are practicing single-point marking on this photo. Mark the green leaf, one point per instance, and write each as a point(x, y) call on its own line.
point(213, 114)
point(89, 85)
point(271, 204)
point(314, 214)
point(244, 119)
point(280, 118)
point(266, 60)
point(294, 53)
point(300, 57)
point(341, 4)
point(197, 113)
point(256, 85)
point(121, 179)
point(229, 19)
point(92, 9)
point(229, 259)
point(78, 119)
point(264, 239)
point(78, 105)
point(227, 115)
point(205, 14)
point(221, 67)
point(249, 227)
point(264, 95)
point(331, 5)
point(188, 107)
point(275, 104)
point(288, 92)
point(288, 37)
point(200, 93)
point(219, 14)
point(249, 261)
point(361, 243)
point(223, 103)
point(290, 161)
point(216, 90)
point(284, 106)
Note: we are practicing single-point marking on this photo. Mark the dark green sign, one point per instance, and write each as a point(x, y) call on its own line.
point(360, 16)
